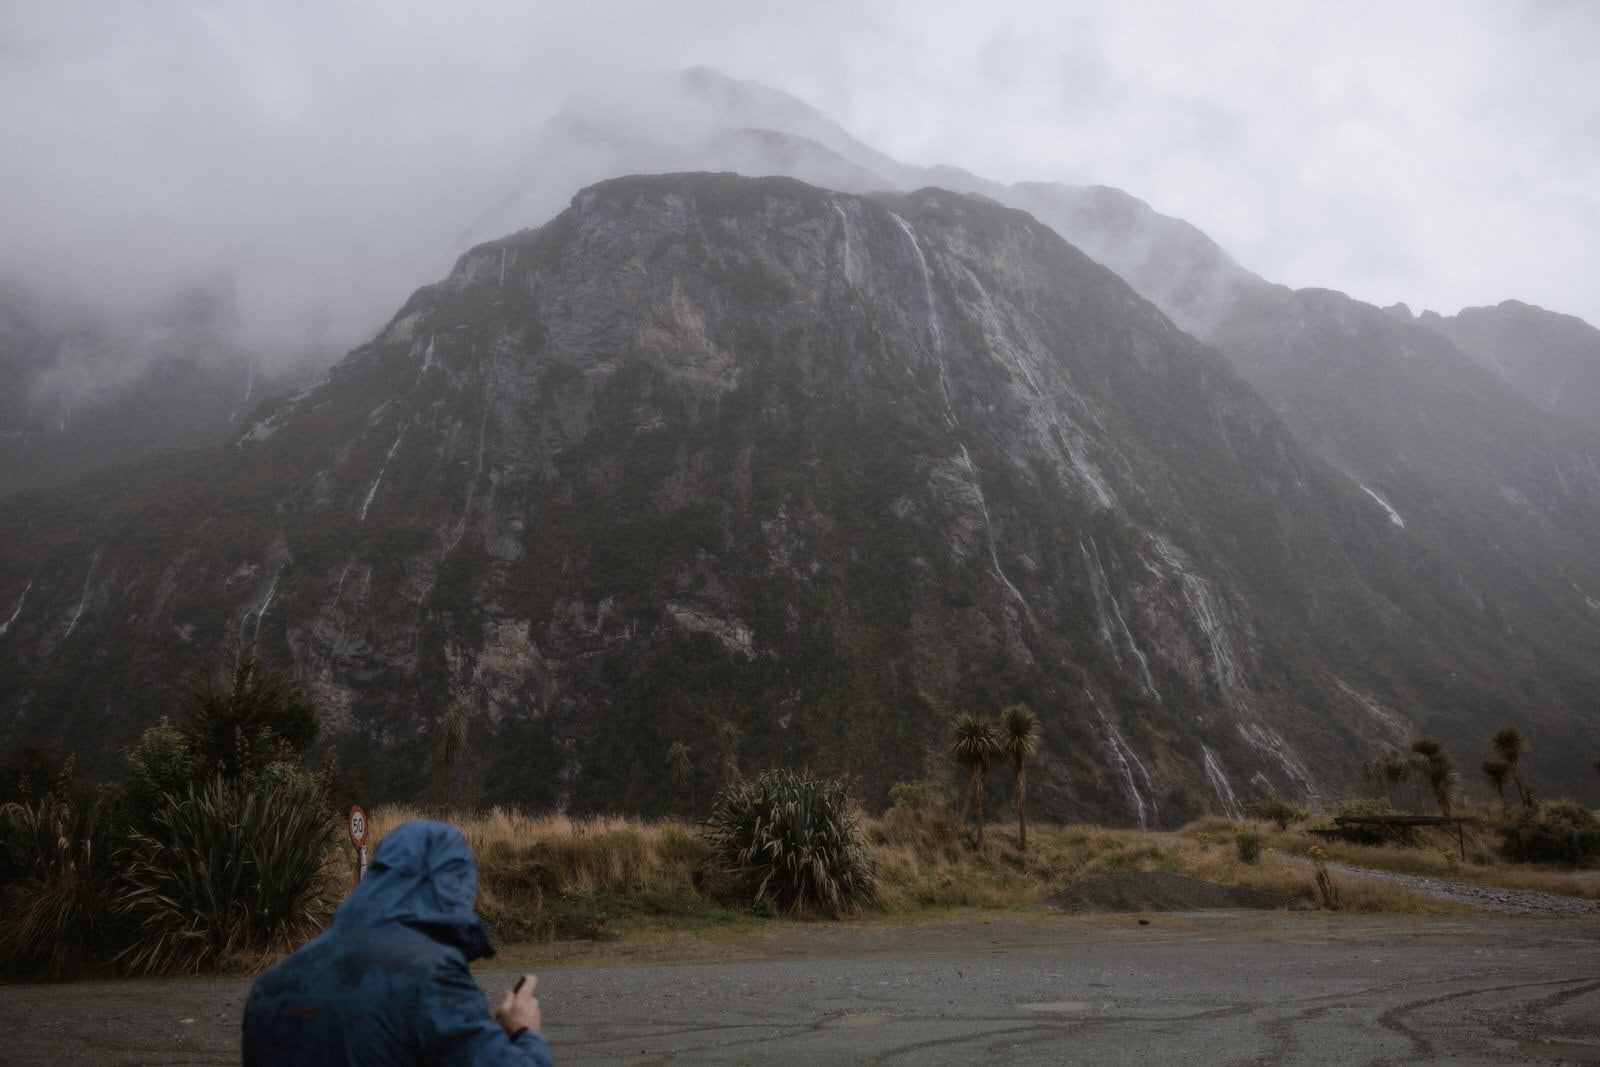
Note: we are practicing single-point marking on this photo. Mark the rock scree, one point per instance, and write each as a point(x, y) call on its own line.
point(1157, 891)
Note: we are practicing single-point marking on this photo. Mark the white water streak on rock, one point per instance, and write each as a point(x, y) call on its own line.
point(1221, 786)
point(472, 486)
point(933, 316)
point(427, 355)
point(83, 600)
point(1013, 594)
point(373, 491)
point(260, 612)
point(1100, 587)
point(16, 611)
point(1394, 516)
point(1044, 407)
point(1126, 760)
point(844, 226)
point(502, 283)
point(1268, 741)
point(338, 589)
point(1561, 478)
point(1207, 612)
point(1399, 730)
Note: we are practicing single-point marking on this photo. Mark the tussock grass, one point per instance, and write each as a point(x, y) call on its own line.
point(1435, 854)
point(551, 877)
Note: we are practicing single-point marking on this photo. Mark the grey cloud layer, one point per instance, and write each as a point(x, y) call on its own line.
point(325, 158)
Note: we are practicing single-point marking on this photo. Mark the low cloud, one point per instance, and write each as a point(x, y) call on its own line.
point(314, 162)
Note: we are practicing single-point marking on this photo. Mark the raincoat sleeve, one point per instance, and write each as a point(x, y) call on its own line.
point(461, 1030)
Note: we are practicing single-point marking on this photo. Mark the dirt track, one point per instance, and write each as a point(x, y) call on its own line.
point(1204, 988)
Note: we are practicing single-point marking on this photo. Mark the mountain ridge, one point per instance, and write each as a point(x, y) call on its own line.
point(783, 474)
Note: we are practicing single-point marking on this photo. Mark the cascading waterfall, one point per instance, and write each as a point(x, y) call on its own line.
point(1010, 588)
point(338, 589)
point(933, 316)
point(338, 646)
point(373, 491)
point(1219, 783)
point(259, 611)
point(1043, 410)
point(1396, 727)
point(1394, 516)
point(1206, 611)
point(844, 227)
point(83, 600)
point(4, 626)
point(1126, 759)
point(1100, 586)
point(1268, 741)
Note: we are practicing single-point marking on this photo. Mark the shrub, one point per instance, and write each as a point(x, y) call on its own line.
point(227, 870)
point(1560, 831)
point(163, 762)
point(1274, 808)
point(1248, 843)
point(260, 718)
point(794, 841)
point(55, 886)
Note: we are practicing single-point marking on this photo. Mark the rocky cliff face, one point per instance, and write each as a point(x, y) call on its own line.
point(780, 475)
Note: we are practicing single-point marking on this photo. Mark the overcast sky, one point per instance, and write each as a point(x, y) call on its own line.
point(320, 159)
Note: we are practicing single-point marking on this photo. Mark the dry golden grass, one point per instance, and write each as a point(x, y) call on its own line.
point(1437, 854)
point(546, 876)
point(552, 877)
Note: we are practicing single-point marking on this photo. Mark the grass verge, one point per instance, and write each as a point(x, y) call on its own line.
point(556, 879)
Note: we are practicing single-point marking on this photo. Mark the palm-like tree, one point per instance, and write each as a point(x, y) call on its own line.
point(1019, 739)
point(1496, 771)
point(973, 743)
point(1438, 770)
point(1509, 745)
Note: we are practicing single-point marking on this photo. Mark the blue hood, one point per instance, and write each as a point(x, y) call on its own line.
point(422, 876)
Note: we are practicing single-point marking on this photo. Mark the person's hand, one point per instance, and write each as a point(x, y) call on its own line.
point(519, 1008)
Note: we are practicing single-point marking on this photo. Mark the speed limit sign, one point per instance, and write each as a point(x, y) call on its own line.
point(358, 826)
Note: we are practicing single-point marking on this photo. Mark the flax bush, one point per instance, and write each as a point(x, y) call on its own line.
point(794, 842)
point(55, 886)
point(229, 870)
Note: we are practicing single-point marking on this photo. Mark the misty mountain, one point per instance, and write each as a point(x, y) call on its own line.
point(787, 476)
point(80, 391)
point(1460, 591)
point(1551, 359)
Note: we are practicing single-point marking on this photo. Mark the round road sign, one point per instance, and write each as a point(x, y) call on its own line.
point(358, 826)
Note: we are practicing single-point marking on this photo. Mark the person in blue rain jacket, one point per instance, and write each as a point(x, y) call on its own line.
point(387, 982)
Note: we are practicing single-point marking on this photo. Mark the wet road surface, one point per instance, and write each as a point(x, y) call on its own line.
point(1236, 987)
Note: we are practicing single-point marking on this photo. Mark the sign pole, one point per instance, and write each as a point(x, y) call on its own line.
point(358, 838)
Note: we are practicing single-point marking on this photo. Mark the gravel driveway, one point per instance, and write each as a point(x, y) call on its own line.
point(1489, 898)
